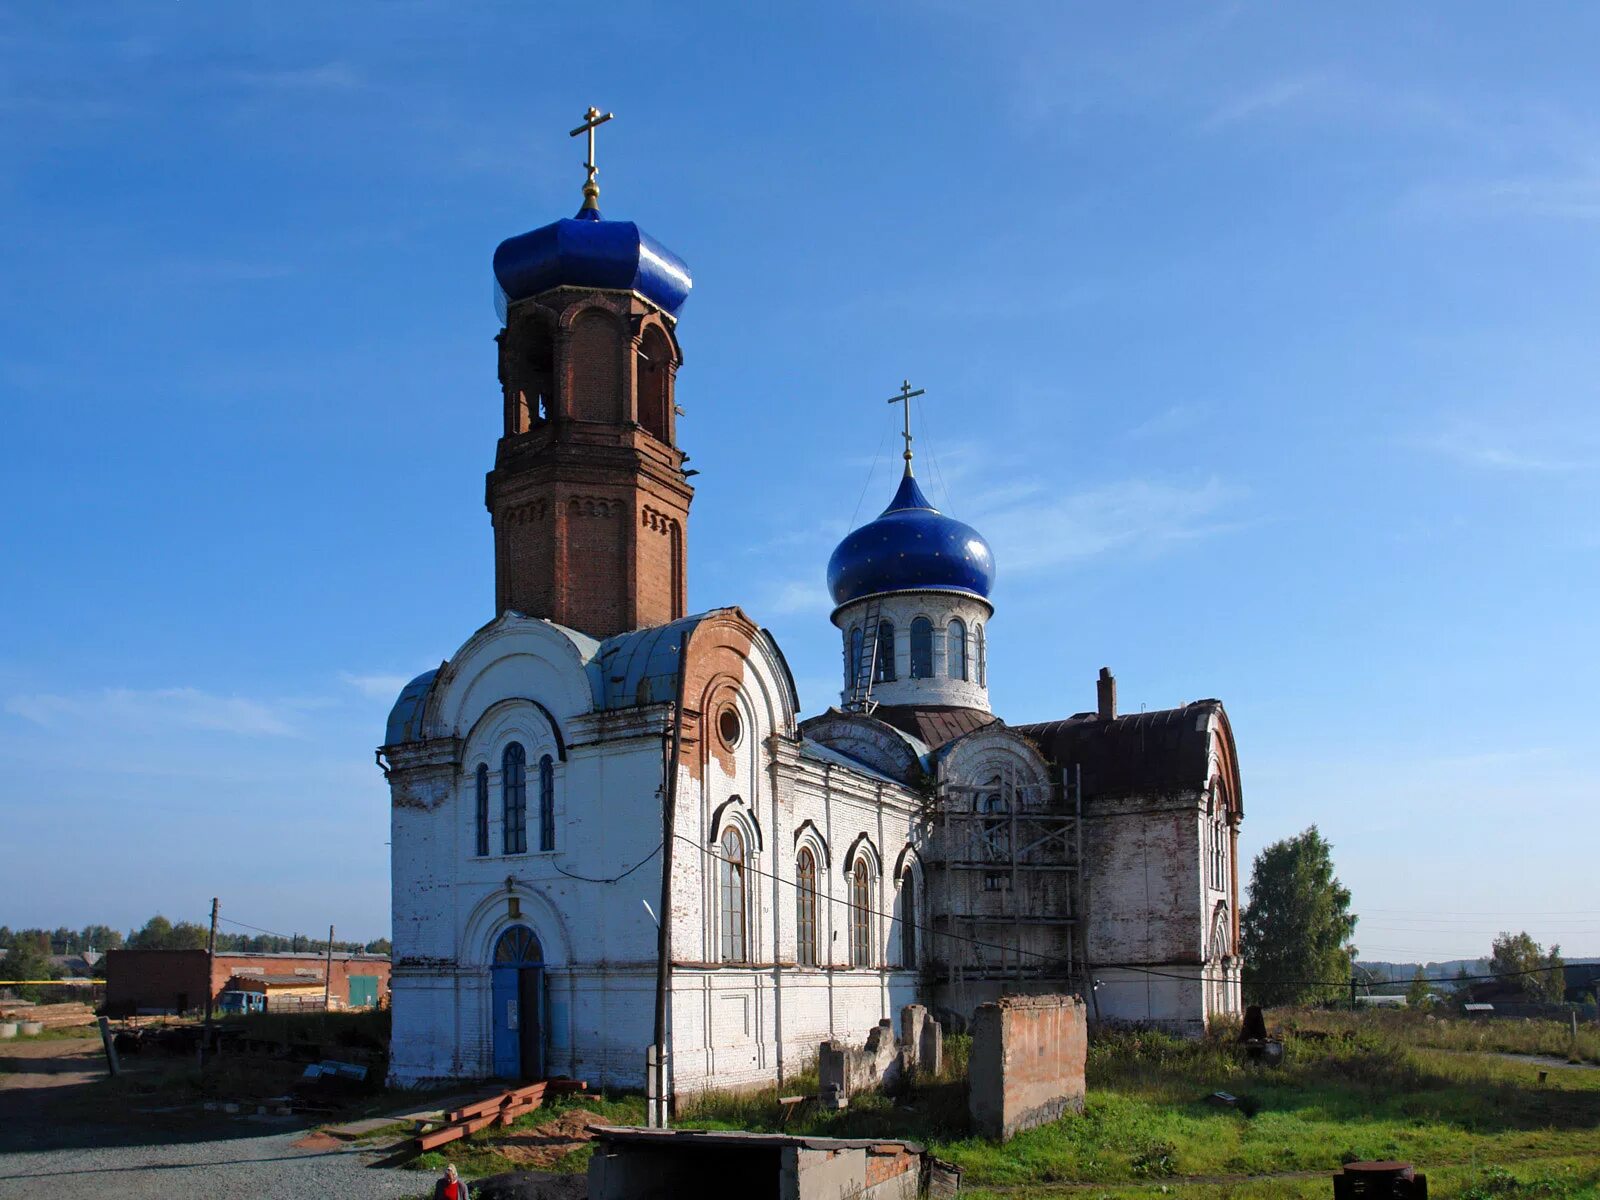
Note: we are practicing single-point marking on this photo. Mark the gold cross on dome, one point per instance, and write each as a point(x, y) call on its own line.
point(905, 397)
point(592, 120)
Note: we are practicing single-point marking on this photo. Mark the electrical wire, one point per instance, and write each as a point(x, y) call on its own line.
point(872, 470)
point(614, 878)
point(1203, 977)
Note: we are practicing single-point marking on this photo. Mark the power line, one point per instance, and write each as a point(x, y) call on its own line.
point(1202, 977)
point(614, 878)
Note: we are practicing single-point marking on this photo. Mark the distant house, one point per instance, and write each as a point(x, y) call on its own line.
point(1381, 1001)
point(178, 981)
point(1583, 980)
point(76, 966)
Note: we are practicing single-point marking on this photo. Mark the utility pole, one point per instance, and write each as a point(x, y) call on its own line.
point(211, 980)
point(327, 977)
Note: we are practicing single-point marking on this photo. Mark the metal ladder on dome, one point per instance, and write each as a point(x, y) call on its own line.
point(865, 668)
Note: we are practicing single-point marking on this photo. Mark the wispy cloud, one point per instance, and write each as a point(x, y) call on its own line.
point(1502, 448)
point(1177, 418)
point(1033, 528)
point(320, 77)
point(375, 687)
point(157, 709)
point(796, 597)
point(1264, 99)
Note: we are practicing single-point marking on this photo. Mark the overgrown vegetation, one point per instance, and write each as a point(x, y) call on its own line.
point(1552, 1039)
point(1352, 1086)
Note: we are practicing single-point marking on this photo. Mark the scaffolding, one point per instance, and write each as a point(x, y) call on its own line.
point(1004, 861)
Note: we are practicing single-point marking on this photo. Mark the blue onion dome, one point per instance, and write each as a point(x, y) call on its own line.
point(589, 251)
point(912, 547)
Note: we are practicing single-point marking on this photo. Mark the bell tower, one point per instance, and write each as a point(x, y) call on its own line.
point(588, 495)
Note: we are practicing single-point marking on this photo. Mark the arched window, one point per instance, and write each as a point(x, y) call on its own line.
point(735, 945)
point(855, 657)
point(654, 383)
point(955, 650)
point(547, 803)
point(514, 798)
point(908, 920)
point(922, 648)
point(883, 662)
point(982, 655)
point(860, 915)
point(805, 877)
point(482, 815)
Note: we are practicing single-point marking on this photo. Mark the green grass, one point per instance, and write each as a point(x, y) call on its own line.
point(1509, 1036)
point(1340, 1095)
point(1352, 1086)
point(63, 1034)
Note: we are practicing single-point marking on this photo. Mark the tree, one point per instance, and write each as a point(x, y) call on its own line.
point(1418, 994)
point(379, 946)
point(1297, 927)
point(161, 934)
point(1521, 962)
point(29, 958)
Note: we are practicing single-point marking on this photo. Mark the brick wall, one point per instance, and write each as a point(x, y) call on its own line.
point(1027, 1062)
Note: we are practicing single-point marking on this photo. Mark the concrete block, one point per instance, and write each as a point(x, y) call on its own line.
point(1027, 1065)
point(930, 1050)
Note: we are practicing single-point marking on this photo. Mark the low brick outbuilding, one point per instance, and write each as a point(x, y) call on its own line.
point(179, 980)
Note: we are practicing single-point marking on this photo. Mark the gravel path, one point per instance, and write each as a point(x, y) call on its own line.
point(167, 1154)
point(241, 1168)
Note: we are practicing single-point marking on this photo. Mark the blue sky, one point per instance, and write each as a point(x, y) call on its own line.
point(1258, 339)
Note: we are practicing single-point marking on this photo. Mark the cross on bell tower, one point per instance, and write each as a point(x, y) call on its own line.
point(905, 397)
point(592, 120)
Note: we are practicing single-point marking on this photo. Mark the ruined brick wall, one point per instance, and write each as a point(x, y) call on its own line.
point(1027, 1062)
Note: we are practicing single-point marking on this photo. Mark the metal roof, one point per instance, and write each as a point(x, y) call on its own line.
point(641, 666)
point(1149, 752)
point(911, 547)
point(405, 718)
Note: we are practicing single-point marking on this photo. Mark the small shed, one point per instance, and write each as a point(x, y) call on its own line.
point(284, 991)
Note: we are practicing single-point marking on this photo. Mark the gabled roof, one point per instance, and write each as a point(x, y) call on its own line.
point(1140, 753)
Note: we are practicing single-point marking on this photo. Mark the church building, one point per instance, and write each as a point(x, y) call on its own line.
point(616, 841)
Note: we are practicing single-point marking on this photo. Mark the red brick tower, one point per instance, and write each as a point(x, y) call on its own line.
point(588, 494)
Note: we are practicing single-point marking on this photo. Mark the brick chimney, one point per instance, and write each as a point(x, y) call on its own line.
point(1106, 693)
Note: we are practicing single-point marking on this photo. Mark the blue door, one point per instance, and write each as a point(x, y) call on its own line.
point(517, 1004)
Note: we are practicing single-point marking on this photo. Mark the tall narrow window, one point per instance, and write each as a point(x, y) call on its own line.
point(908, 920)
point(547, 803)
point(955, 649)
point(855, 657)
point(883, 664)
point(482, 815)
point(514, 798)
point(860, 915)
point(922, 648)
point(981, 650)
point(735, 947)
point(654, 385)
point(805, 892)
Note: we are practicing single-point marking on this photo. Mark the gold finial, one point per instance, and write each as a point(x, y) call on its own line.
point(592, 120)
point(905, 397)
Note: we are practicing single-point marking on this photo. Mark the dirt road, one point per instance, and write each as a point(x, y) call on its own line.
point(57, 1139)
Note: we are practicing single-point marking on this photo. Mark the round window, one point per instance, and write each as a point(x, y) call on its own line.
point(729, 726)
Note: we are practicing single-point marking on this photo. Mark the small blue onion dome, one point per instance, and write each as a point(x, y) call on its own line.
point(587, 251)
point(911, 547)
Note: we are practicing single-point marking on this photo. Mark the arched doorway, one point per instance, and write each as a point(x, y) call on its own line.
point(518, 1004)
